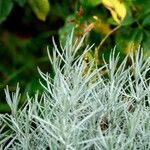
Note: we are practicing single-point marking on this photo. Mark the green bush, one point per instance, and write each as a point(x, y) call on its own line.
point(82, 106)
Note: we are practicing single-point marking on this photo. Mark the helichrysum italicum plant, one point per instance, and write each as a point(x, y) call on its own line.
point(82, 108)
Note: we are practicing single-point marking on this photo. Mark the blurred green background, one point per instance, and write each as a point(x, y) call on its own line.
point(27, 27)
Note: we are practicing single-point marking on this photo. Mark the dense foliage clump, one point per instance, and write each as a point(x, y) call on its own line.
point(82, 106)
point(26, 26)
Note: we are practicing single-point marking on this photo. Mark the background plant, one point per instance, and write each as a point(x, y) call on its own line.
point(77, 112)
point(27, 26)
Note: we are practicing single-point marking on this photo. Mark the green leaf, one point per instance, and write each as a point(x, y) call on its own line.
point(135, 41)
point(128, 38)
point(92, 3)
point(5, 9)
point(41, 8)
point(128, 20)
point(146, 21)
point(137, 36)
point(21, 2)
point(143, 14)
point(67, 28)
point(146, 48)
point(142, 8)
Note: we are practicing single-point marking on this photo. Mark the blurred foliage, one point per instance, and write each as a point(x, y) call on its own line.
point(26, 28)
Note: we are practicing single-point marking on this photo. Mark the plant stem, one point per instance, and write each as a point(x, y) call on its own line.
point(105, 38)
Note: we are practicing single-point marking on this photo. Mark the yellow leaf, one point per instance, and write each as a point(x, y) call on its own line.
point(88, 56)
point(102, 27)
point(131, 47)
point(40, 8)
point(117, 9)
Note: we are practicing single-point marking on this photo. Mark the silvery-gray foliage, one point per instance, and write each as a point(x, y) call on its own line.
point(82, 109)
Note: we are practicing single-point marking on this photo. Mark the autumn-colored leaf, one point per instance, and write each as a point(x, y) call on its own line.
point(117, 9)
point(101, 26)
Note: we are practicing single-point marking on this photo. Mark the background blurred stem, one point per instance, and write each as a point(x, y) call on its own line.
point(105, 38)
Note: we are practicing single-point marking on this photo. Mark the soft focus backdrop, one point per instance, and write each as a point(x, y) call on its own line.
point(27, 27)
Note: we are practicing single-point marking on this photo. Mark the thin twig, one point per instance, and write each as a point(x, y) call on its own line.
point(105, 38)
